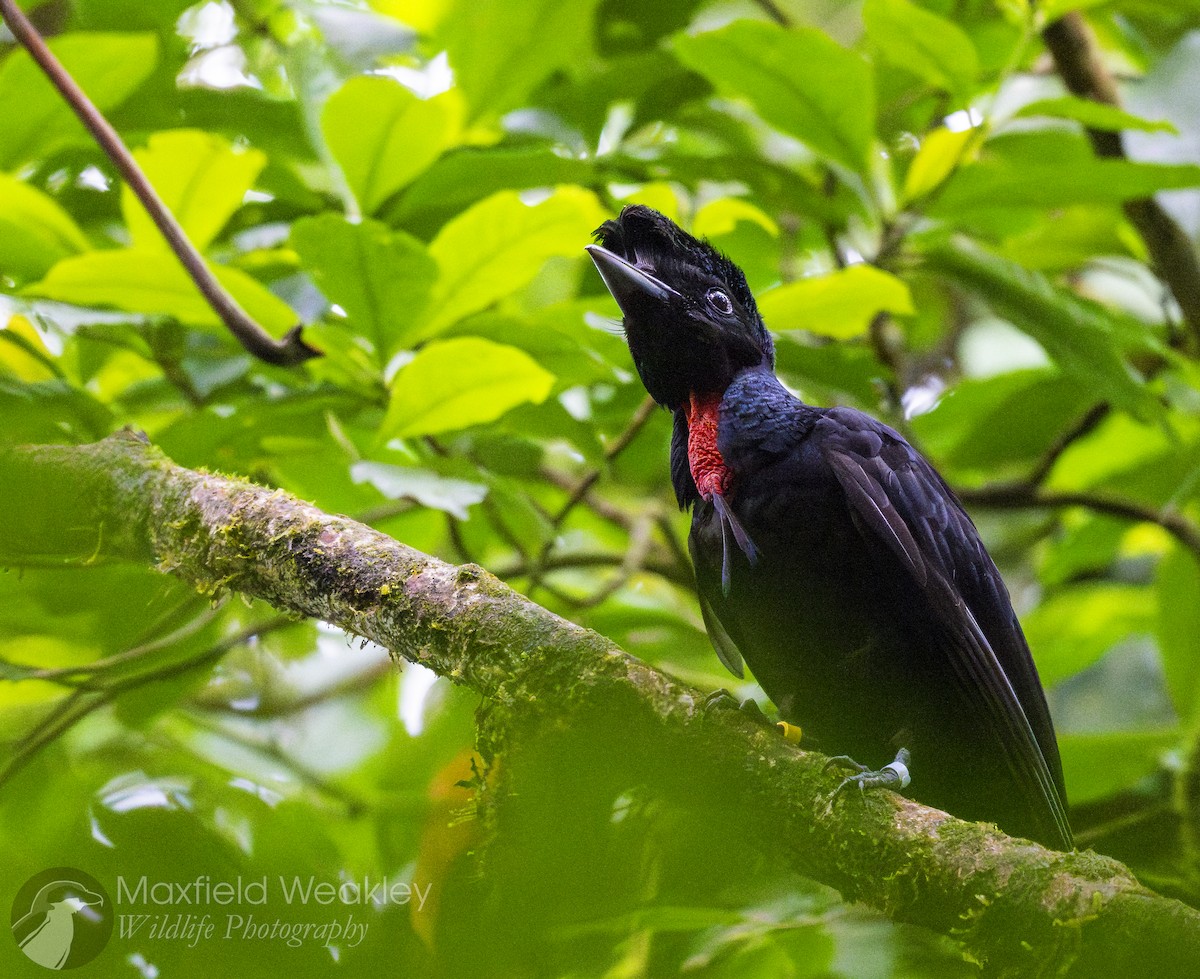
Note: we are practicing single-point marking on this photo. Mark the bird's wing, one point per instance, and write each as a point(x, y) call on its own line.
point(897, 498)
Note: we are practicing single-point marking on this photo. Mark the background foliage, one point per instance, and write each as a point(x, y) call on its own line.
point(910, 191)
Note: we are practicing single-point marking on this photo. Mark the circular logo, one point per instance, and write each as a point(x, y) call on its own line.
point(62, 918)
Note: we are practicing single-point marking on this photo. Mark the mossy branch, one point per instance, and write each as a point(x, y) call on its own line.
point(1014, 905)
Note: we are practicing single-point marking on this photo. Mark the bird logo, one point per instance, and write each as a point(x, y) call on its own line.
point(62, 918)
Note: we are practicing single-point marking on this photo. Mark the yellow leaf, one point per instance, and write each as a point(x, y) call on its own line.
point(840, 305)
point(942, 152)
point(24, 358)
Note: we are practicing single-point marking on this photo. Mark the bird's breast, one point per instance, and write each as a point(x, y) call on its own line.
point(709, 471)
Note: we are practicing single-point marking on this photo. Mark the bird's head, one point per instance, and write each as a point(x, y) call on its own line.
point(690, 320)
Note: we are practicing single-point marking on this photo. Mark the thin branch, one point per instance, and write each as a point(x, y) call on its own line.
point(385, 511)
point(457, 541)
point(68, 674)
point(83, 702)
point(1019, 496)
point(289, 351)
point(683, 560)
point(633, 562)
point(214, 699)
point(775, 12)
point(618, 445)
point(655, 563)
point(1073, 48)
point(1077, 913)
point(603, 508)
point(267, 746)
point(1085, 426)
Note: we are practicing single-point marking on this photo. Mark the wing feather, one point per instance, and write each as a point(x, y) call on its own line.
point(897, 498)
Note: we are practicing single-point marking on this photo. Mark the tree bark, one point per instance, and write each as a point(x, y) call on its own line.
point(1017, 907)
point(1072, 46)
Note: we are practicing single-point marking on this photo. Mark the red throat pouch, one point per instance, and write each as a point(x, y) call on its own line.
point(709, 471)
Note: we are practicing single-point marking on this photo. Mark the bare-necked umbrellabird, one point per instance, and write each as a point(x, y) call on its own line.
point(830, 554)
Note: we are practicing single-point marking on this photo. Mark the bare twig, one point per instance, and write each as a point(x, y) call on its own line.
point(1073, 48)
point(775, 12)
point(1020, 496)
point(605, 509)
point(615, 448)
point(589, 479)
point(70, 675)
point(654, 562)
point(385, 511)
point(83, 702)
point(457, 541)
point(268, 746)
point(633, 562)
point(1085, 426)
point(287, 352)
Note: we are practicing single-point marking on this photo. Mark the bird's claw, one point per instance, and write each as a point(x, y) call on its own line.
point(723, 700)
point(892, 776)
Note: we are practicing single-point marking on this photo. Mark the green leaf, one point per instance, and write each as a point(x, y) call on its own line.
point(839, 305)
point(23, 354)
point(722, 216)
point(469, 174)
point(1051, 10)
point(661, 918)
point(920, 41)
point(1094, 115)
point(1074, 237)
point(153, 283)
point(1082, 337)
point(500, 51)
point(202, 179)
point(984, 424)
point(497, 246)
point(514, 510)
point(798, 80)
point(1097, 765)
point(109, 68)
point(382, 135)
point(1012, 183)
point(453, 496)
point(381, 278)
point(1118, 446)
point(557, 338)
point(1085, 546)
point(840, 368)
point(1075, 627)
point(1178, 627)
point(46, 411)
point(465, 381)
point(35, 232)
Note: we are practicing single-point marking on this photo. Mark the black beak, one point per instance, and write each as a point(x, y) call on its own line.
point(628, 284)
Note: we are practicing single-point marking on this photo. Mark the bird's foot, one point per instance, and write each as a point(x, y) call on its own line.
point(723, 700)
point(893, 776)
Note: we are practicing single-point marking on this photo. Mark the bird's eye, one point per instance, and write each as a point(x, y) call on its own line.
point(719, 301)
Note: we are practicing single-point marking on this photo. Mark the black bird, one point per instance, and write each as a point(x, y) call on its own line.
point(830, 554)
